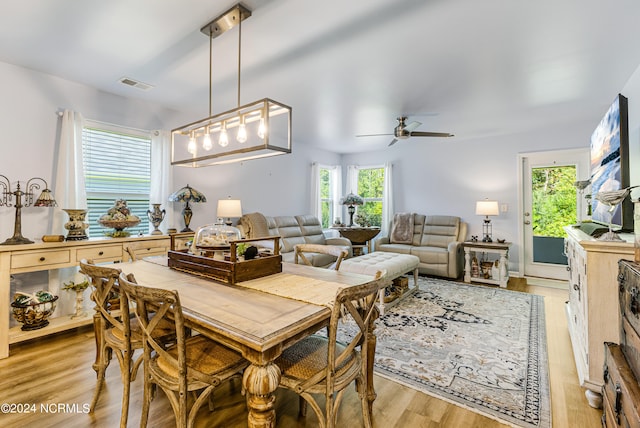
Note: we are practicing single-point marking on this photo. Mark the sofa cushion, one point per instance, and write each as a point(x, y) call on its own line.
point(395, 248)
point(311, 229)
point(289, 229)
point(431, 255)
point(439, 231)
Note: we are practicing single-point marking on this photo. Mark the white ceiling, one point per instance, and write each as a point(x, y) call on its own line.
point(475, 68)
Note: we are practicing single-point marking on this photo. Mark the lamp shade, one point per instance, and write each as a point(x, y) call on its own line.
point(487, 208)
point(229, 208)
point(187, 194)
point(352, 199)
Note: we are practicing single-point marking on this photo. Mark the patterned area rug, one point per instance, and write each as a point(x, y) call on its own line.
point(481, 348)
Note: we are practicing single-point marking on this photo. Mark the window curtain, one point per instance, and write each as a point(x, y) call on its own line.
point(161, 175)
point(387, 200)
point(68, 185)
point(336, 192)
point(314, 192)
point(69, 192)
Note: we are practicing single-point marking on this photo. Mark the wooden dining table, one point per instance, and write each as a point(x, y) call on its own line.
point(255, 319)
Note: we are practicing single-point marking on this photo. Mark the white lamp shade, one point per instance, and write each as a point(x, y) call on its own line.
point(229, 208)
point(487, 207)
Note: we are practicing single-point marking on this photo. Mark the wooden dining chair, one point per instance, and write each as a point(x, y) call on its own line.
point(194, 364)
point(303, 251)
point(321, 364)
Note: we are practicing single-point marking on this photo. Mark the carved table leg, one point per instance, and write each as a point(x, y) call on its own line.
point(370, 360)
point(260, 383)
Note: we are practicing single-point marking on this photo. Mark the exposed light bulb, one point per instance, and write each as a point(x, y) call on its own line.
point(192, 147)
point(223, 141)
point(262, 128)
point(206, 144)
point(242, 133)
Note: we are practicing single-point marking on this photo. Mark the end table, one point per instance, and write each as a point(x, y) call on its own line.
point(489, 269)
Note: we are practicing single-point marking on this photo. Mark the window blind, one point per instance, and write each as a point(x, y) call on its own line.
point(117, 165)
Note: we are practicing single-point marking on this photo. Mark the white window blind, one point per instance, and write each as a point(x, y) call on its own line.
point(117, 165)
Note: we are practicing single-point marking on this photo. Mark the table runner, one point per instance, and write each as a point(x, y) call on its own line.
point(316, 291)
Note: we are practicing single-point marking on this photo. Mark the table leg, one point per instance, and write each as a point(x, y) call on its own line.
point(370, 360)
point(260, 383)
point(467, 266)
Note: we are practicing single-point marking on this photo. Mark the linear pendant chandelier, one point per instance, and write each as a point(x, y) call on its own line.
point(251, 131)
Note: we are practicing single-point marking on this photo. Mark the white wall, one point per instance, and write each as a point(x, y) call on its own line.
point(30, 130)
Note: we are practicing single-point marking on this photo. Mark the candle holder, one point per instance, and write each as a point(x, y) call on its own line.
point(44, 200)
point(78, 285)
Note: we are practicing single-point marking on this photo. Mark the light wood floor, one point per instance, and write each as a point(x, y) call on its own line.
point(57, 371)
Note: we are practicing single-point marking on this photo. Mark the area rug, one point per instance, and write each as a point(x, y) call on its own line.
point(481, 348)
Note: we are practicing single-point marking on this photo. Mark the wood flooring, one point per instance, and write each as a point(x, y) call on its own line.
point(50, 383)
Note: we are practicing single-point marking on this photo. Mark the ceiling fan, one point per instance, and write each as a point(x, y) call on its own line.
point(404, 131)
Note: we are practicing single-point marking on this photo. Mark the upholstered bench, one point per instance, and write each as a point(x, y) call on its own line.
point(395, 264)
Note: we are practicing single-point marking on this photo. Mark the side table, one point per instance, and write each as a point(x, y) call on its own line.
point(493, 265)
point(360, 237)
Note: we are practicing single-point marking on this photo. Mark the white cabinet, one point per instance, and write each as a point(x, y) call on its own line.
point(592, 308)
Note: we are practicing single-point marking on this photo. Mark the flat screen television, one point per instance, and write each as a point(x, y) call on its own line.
point(610, 165)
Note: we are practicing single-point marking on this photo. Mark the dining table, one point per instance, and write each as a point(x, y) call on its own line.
point(258, 318)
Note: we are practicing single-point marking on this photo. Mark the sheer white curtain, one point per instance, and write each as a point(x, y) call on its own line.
point(69, 191)
point(68, 185)
point(387, 200)
point(161, 175)
point(314, 192)
point(336, 191)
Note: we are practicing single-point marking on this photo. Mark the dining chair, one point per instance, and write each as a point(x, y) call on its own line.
point(303, 251)
point(320, 364)
point(115, 332)
point(194, 364)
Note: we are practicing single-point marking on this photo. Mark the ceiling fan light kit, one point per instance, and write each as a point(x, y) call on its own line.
point(251, 131)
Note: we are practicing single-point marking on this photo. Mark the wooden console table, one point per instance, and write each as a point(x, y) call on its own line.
point(360, 237)
point(44, 256)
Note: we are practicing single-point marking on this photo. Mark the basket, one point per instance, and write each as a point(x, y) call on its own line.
point(33, 316)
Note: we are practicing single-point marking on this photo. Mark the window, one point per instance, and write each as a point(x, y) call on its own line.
point(328, 193)
point(117, 165)
point(369, 183)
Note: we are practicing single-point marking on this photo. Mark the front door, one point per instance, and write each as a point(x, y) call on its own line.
point(550, 201)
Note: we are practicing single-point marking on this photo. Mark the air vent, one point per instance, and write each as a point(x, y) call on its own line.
point(135, 83)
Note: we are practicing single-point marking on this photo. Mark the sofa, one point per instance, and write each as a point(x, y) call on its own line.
point(435, 239)
point(293, 230)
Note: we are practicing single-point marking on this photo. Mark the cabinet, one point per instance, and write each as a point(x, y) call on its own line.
point(592, 309)
point(42, 256)
point(496, 257)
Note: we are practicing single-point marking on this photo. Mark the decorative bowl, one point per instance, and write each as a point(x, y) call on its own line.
point(34, 315)
point(118, 224)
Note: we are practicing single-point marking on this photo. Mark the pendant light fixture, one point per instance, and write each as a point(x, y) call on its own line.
point(251, 131)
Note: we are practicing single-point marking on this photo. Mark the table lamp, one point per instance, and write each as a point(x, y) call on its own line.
point(487, 208)
point(352, 200)
point(229, 208)
point(187, 194)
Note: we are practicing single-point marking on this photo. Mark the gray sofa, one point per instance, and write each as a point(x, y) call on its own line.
point(299, 229)
point(436, 240)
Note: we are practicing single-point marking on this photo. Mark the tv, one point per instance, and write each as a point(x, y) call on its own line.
point(610, 165)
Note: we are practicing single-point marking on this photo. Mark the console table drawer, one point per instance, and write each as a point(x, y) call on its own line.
point(149, 248)
point(40, 258)
point(108, 252)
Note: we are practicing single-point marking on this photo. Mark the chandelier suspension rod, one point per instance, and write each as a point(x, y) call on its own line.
point(239, 53)
point(210, 71)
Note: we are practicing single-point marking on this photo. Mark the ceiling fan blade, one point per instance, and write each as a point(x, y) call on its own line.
point(395, 140)
point(411, 126)
point(372, 135)
point(431, 134)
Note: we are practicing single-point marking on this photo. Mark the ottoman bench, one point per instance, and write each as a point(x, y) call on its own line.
point(395, 264)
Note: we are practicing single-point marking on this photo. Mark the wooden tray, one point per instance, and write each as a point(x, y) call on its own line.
point(229, 271)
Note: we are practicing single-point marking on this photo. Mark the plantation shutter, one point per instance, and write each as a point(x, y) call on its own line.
point(117, 165)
